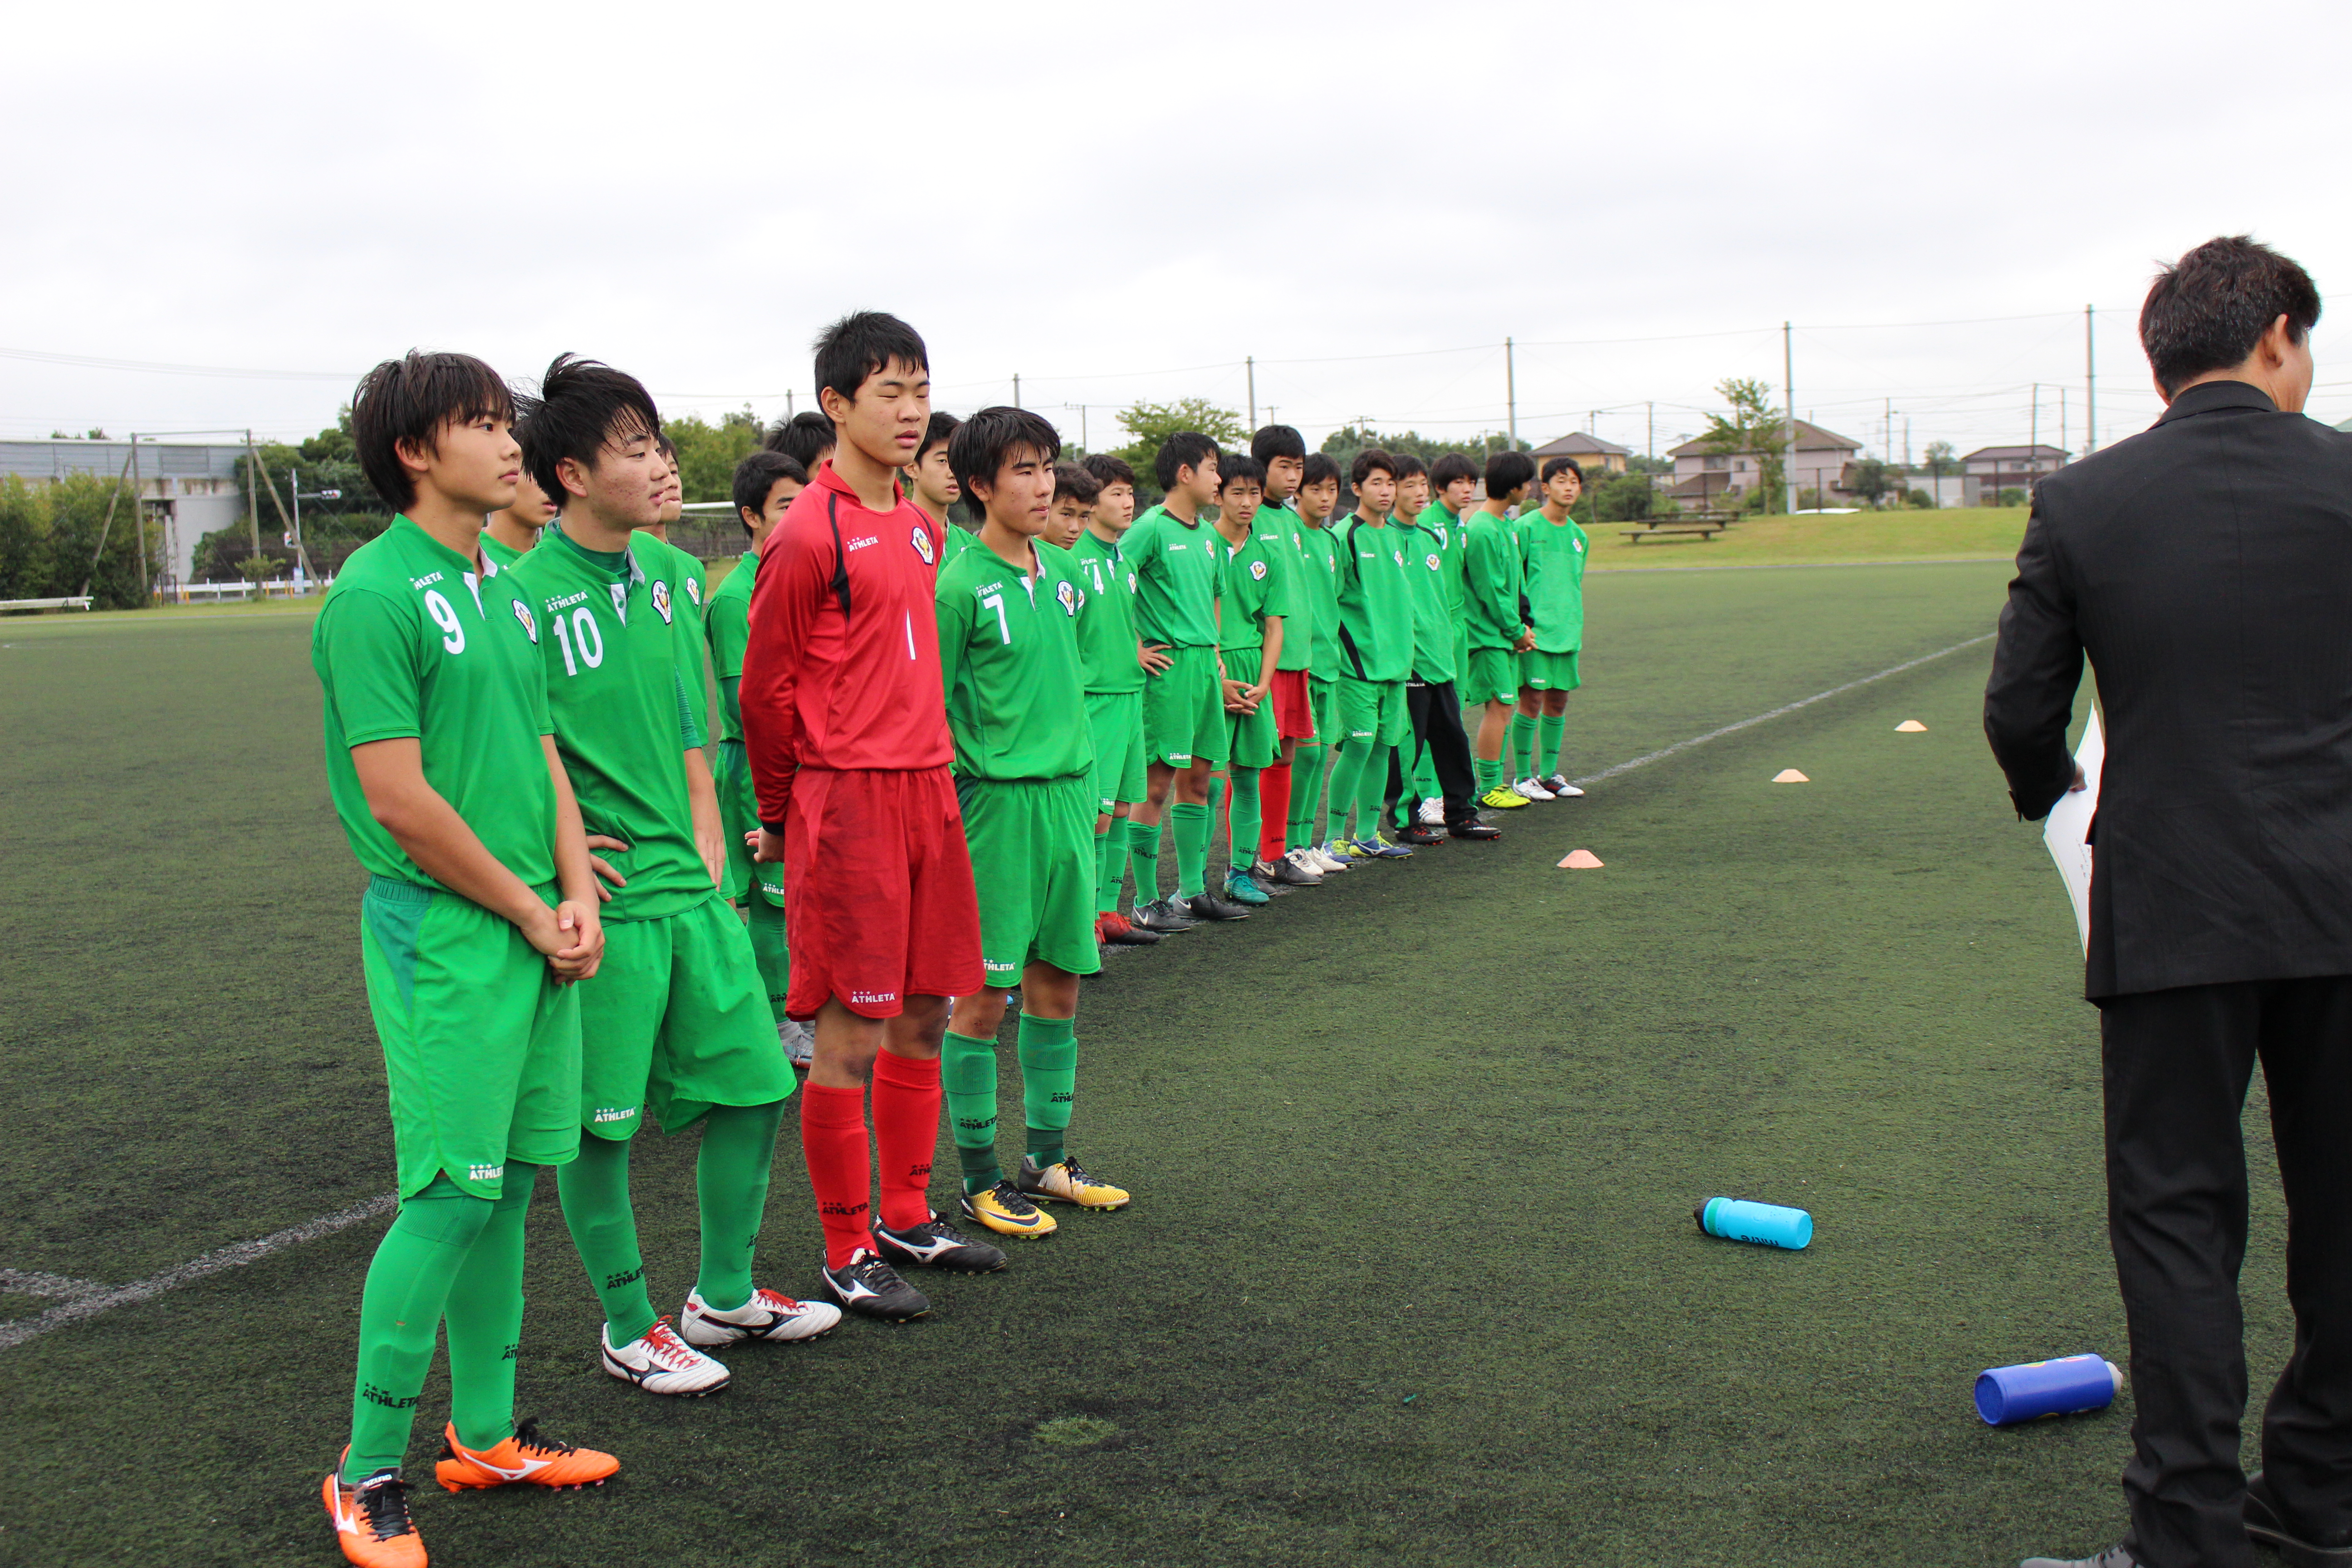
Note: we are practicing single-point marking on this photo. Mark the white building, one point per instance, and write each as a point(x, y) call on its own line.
point(186, 490)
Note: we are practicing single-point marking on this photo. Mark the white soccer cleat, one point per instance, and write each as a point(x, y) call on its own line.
point(1561, 789)
point(769, 1315)
point(1531, 790)
point(799, 1041)
point(1324, 859)
point(660, 1363)
point(1306, 861)
point(1432, 814)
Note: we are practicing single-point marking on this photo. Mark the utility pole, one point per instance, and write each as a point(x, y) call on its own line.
point(1511, 388)
point(2089, 388)
point(252, 492)
point(1652, 441)
point(1016, 389)
point(1906, 440)
point(139, 519)
point(2062, 420)
point(1251, 362)
point(788, 406)
point(1788, 396)
point(1889, 428)
point(2032, 445)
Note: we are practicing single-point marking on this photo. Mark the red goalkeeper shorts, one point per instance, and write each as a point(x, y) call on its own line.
point(1294, 713)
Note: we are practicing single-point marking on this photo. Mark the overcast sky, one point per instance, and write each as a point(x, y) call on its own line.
point(1125, 201)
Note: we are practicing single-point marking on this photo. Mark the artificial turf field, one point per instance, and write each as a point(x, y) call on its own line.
point(1412, 1275)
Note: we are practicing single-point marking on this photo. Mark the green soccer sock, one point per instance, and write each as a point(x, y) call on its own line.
point(1347, 759)
point(968, 1074)
point(408, 1285)
point(1249, 817)
point(595, 1193)
point(731, 1185)
point(1372, 790)
point(1489, 773)
point(1143, 850)
point(1522, 745)
point(483, 1318)
point(1548, 731)
point(1306, 792)
point(1111, 865)
point(769, 949)
point(1190, 825)
point(1048, 1052)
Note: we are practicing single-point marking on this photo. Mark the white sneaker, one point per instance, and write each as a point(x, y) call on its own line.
point(1531, 790)
point(660, 1363)
point(769, 1315)
point(799, 1041)
point(1324, 859)
point(1432, 814)
point(1561, 789)
point(1304, 862)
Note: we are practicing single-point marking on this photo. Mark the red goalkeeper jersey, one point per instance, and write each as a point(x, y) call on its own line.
point(842, 669)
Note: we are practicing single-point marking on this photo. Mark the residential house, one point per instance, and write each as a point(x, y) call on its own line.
point(1704, 478)
point(1598, 458)
point(1989, 470)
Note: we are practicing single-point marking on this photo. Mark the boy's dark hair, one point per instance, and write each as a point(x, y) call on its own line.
point(409, 399)
point(1108, 471)
point(1239, 467)
point(981, 444)
point(1071, 480)
point(2207, 310)
point(1274, 441)
point(583, 404)
point(1450, 466)
point(803, 438)
point(756, 475)
point(1321, 467)
point(936, 433)
point(1507, 471)
point(1369, 458)
point(1553, 466)
point(1184, 449)
point(860, 343)
point(669, 448)
point(1407, 466)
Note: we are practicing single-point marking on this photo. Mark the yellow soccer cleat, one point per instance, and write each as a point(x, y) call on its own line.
point(1500, 798)
point(1004, 1209)
point(524, 1456)
point(1067, 1182)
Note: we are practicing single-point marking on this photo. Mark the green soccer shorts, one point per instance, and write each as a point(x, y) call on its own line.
point(1184, 709)
point(1490, 675)
point(1323, 697)
point(1374, 710)
point(1548, 671)
point(1252, 740)
point(676, 1017)
point(1117, 720)
point(1033, 866)
point(481, 1047)
point(739, 812)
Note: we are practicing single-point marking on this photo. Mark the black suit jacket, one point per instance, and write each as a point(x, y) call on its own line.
point(2206, 568)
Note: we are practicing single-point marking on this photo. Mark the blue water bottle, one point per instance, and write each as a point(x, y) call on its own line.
point(2068, 1386)
point(1769, 1225)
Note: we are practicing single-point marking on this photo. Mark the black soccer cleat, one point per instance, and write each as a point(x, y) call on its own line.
point(1417, 834)
point(936, 1244)
point(872, 1288)
point(1474, 830)
point(1209, 907)
point(1164, 916)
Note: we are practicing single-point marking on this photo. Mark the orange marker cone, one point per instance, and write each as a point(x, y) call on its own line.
point(1580, 860)
point(1790, 775)
point(1910, 727)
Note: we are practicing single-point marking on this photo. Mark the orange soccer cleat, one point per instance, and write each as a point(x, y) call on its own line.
point(371, 1523)
point(527, 1456)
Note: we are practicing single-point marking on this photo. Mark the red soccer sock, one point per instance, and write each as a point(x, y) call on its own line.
point(833, 1136)
point(1274, 804)
point(905, 1135)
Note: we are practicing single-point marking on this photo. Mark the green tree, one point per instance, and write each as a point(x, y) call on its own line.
point(56, 538)
point(1873, 480)
point(708, 453)
point(1940, 456)
point(1755, 428)
point(1621, 497)
point(1149, 424)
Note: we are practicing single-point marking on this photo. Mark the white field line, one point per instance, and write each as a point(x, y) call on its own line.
point(87, 1298)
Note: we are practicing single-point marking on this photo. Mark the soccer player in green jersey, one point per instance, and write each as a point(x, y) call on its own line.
point(679, 1018)
point(689, 579)
point(1443, 777)
point(1282, 451)
point(1260, 597)
point(1318, 597)
point(1375, 641)
point(1009, 608)
point(764, 485)
point(1074, 493)
point(1180, 574)
point(1493, 612)
point(1454, 482)
point(808, 438)
point(1411, 783)
point(480, 913)
point(1114, 676)
point(509, 533)
point(1552, 545)
point(932, 485)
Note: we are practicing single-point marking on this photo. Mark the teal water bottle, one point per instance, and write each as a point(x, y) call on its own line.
point(1767, 1225)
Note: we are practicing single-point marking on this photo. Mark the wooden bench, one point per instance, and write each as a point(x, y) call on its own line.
point(76, 602)
point(1704, 531)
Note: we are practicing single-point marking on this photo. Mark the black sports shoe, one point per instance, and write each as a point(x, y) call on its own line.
point(936, 1244)
point(1474, 828)
point(1417, 834)
point(865, 1284)
point(2265, 1525)
point(1209, 907)
point(1165, 916)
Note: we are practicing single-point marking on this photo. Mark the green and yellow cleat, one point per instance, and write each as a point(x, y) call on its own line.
point(1007, 1210)
point(1501, 798)
point(1067, 1182)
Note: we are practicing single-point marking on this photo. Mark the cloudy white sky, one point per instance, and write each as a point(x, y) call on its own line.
point(221, 214)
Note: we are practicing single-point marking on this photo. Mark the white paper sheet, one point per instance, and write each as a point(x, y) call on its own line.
point(2066, 831)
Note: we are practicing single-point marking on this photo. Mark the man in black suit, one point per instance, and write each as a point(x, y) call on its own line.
point(2206, 568)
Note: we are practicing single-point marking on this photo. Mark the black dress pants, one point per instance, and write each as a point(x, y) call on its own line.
point(2177, 1066)
point(1436, 715)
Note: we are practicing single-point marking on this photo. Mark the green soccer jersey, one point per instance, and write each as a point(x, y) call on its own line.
point(1492, 578)
point(618, 658)
point(412, 641)
point(685, 582)
point(1261, 580)
point(725, 629)
point(1107, 624)
point(1453, 543)
point(1553, 557)
point(1375, 601)
point(1278, 519)
point(1318, 597)
point(497, 551)
point(955, 541)
point(1433, 558)
point(1009, 660)
point(1180, 576)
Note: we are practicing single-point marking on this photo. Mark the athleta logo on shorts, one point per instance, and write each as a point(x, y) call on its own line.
point(921, 540)
point(873, 996)
point(485, 1172)
point(530, 623)
point(613, 1113)
point(661, 602)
